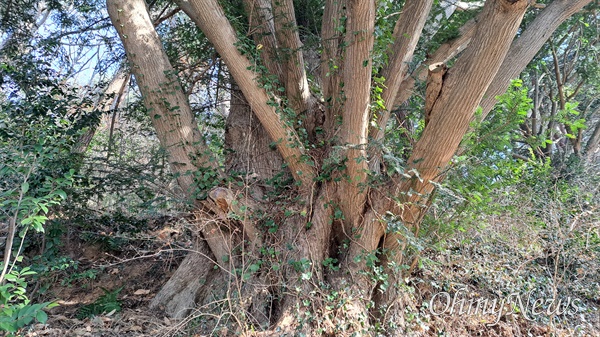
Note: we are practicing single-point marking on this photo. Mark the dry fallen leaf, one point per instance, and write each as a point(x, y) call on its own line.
point(142, 292)
point(135, 328)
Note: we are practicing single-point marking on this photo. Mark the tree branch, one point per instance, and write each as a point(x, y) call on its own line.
point(406, 35)
point(356, 111)
point(296, 82)
point(210, 18)
point(262, 29)
point(463, 89)
point(524, 48)
point(167, 105)
point(443, 54)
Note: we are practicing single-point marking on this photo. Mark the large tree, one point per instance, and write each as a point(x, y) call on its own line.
point(312, 216)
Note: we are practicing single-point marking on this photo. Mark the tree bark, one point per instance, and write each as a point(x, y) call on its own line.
point(178, 296)
point(209, 16)
point(262, 28)
point(167, 105)
point(296, 82)
point(406, 35)
point(340, 218)
point(356, 111)
point(176, 129)
point(443, 54)
point(332, 64)
point(462, 90)
point(108, 101)
point(247, 145)
point(593, 144)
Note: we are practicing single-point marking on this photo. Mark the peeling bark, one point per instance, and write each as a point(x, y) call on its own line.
point(443, 54)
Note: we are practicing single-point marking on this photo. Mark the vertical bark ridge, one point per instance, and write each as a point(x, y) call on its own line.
point(355, 114)
point(331, 62)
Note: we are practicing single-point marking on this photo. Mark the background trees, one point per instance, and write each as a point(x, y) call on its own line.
point(312, 136)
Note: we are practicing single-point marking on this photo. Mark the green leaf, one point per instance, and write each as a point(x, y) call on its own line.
point(61, 193)
point(254, 267)
point(41, 316)
point(52, 305)
point(24, 187)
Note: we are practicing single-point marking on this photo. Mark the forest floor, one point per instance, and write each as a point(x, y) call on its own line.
point(491, 262)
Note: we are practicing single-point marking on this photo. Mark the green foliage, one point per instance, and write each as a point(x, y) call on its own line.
point(205, 179)
point(38, 126)
point(15, 308)
point(384, 27)
point(486, 168)
point(106, 303)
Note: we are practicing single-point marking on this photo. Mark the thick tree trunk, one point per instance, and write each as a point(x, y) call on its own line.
point(178, 296)
point(247, 146)
point(356, 109)
point(296, 248)
point(463, 88)
point(177, 131)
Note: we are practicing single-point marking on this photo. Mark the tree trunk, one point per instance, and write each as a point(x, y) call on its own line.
point(273, 257)
point(247, 145)
point(107, 102)
point(164, 99)
point(209, 16)
point(462, 89)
